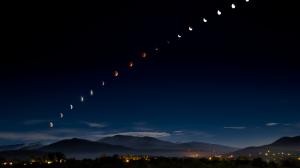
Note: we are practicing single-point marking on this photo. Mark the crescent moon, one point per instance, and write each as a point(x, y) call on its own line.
point(51, 124)
point(91, 92)
point(116, 73)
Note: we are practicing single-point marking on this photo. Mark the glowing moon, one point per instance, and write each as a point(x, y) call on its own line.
point(71, 106)
point(144, 54)
point(103, 83)
point(51, 124)
point(81, 98)
point(204, 20)
point(233, 6)
point(247, 0)
point(130, 65)
point(190, 28)
point(219, 12)
point(179, 36)
point(91, 92)
point(116, 73)
point(61, 115)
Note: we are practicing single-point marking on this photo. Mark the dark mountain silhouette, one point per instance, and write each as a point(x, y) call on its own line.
point(138, 142)
point(80, 148)
point(123, 145)
point(30, 146)
point(287, 141)
point(206, 147)
point(285, 145)
point(11, 147)
point(153, 144)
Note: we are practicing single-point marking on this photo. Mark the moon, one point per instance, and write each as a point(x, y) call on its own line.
point(81, 98)
point(190, 28)
point(204, 20)
point(116, 73)
point(103, 83)
point(61, 115)
point(51, 124)
point(71, 106)
point(233, 6)
point(144, 54)
point(219, 12)
point(91, 92)
point(179, 36)
point(130, 65)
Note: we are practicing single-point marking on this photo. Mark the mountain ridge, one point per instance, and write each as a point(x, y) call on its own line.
point(124, 145)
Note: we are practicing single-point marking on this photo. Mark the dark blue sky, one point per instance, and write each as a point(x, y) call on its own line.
point(234, 81)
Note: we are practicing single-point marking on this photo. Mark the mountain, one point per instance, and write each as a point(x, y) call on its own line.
point(138, 142)
point(124, 145)
point(11, 147)
point(206, 147)
point(30, 146)
point(287, 141)
point(80, 148)
point(283, 147)
point(153, 146)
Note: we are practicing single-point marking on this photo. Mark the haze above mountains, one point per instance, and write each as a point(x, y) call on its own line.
point(123, 145)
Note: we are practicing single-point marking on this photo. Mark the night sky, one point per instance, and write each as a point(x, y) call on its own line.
point(233, 81)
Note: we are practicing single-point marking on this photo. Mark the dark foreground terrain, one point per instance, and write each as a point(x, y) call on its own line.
point(160, 162)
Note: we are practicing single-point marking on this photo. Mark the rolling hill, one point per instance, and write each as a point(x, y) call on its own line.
point(153, 146)
point(283, 147)
point(123, 145)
